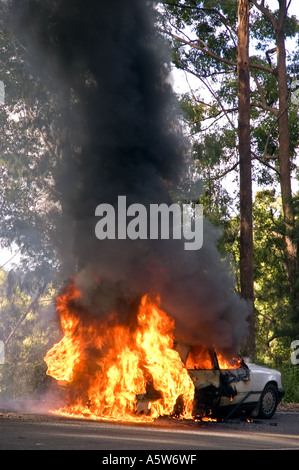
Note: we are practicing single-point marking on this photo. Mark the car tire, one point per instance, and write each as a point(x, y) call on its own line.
point(268, 401)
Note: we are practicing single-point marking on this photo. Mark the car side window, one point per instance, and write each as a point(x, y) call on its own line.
point(231, 363)
point(199, 357)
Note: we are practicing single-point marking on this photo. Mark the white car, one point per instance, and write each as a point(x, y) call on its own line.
point(222, 389)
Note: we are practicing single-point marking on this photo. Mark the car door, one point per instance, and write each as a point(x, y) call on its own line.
point(236, 384)
point(202, 367)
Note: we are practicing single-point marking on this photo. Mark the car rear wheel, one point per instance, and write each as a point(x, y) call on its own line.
point(268, 402)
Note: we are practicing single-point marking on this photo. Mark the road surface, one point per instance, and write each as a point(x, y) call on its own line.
point(28, 431)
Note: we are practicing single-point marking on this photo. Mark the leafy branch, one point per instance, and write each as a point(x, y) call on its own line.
point(205, 50)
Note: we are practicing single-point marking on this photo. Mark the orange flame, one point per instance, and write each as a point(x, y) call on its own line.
point(233, 363)
point(106, 365)
point(201, 357)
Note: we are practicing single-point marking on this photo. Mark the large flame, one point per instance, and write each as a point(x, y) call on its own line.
point(106, 365)
point(109, 367)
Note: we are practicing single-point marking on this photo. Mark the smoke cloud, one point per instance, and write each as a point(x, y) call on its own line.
point(126, 139)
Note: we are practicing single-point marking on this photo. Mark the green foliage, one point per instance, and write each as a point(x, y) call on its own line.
point(294, 130)
point(27, 332)
point(213, 27)
point(275, 326)
point(193, 112)
point(290, 378)
point(271, 286)
point(33, 139)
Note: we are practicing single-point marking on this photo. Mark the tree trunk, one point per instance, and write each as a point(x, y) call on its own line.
point(284, 145)
point(246, 237)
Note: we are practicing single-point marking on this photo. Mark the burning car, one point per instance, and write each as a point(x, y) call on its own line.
point(137, 371)
point(223, 387)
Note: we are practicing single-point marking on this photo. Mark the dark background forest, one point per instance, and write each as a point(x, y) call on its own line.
point(203, 40)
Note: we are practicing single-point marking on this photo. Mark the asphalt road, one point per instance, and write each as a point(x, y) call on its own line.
point(27, 431)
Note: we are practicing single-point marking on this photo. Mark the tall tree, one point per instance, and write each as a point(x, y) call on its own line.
point(246, 235)
point(279, 23)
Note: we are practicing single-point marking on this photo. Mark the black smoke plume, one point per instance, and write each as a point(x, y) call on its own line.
point(126, 140)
